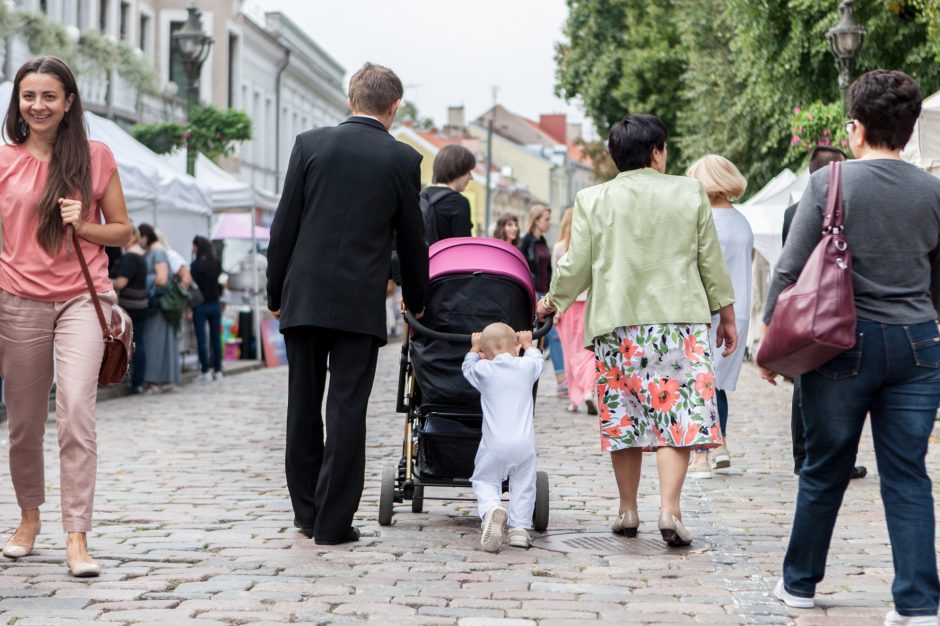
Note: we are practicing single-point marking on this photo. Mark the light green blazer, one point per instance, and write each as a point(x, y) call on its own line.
point(646, 246)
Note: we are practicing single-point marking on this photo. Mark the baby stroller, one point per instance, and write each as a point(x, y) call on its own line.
point(474, 282)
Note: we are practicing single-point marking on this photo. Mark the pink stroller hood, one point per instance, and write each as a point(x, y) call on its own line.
point(467, 255)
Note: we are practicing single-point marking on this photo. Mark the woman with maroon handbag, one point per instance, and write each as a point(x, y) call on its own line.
point(54, 181)
point(891, 226)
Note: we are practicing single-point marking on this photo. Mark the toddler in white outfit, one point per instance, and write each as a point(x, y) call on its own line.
point(507, 448)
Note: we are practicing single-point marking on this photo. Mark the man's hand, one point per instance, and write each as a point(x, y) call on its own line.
point(727, 332)
point(525, 338)
point(276, 314)
point(475, 342)
point(401, 305)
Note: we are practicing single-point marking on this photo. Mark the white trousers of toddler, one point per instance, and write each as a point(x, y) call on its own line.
point(492, 466)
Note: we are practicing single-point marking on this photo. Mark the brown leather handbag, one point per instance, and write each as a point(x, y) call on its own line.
point(814, 318)
point(118, 336)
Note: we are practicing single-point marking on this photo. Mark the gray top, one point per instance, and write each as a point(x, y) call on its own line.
point(892, 224)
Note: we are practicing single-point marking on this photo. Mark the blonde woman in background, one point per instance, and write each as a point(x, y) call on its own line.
point(579, 361)
point(723, 183)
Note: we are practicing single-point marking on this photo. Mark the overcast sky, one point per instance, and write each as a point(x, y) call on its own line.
point(445, 51)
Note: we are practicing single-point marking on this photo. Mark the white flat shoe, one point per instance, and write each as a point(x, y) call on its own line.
point(15, 551)
point(792, 601)
point(85, 569)
point(894, 619)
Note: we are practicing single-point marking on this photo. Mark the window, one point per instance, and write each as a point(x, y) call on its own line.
point(177, 71)
point(144, 33)
point(44, 7)
point(125, 19)
point(103, 16)
point(232, 59)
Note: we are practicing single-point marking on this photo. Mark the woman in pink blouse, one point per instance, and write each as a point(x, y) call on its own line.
point(52, 178)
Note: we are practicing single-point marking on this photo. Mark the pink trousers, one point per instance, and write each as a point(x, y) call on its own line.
point(37, 339)
point(579, 361)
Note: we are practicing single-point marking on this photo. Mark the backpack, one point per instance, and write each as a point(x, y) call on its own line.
point(427, 214)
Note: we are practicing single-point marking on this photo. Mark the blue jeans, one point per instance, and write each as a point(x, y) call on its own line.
point(721, 399)
point(553, 343)
point(211, 313)
point(893, 372)
point(139, 360)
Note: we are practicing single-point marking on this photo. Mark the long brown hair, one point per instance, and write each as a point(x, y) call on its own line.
point(500, 231)
point(70, 168)
point(564, 231)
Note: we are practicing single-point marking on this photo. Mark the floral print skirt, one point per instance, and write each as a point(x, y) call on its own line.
point(656, 387)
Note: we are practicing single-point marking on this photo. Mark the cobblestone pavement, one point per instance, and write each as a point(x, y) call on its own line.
point(193, 526)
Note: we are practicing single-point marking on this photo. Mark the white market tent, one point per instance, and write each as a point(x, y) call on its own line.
point(923, 150)
point(155, 192)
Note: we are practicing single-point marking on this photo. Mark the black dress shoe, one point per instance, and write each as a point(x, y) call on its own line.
point(352, 535)
point(859, 471)
point(306, 532)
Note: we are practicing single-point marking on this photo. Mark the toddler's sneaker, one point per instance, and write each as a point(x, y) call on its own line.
point(792, 601)
point(217, 375)
point(518, 537)
point(894, 619)
point(492, 537)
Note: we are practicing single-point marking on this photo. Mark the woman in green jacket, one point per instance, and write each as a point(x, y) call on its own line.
point(646, 246)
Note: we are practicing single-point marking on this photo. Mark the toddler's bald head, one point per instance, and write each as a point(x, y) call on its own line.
point(498, 338)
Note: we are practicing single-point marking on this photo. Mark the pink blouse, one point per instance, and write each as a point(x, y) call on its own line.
point(26, 270)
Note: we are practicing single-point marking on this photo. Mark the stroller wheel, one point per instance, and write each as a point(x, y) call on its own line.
point(387, 494)
point(540, 516)
point(417, 500)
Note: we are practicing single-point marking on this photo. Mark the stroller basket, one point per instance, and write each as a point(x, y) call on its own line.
point(447, 447)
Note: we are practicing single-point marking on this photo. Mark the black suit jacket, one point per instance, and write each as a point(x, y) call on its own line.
point(788, 220)
point(350, 189)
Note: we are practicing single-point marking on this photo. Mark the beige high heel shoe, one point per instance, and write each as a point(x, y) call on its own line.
point(627, 524)
point(674, 532)
point(15, 551)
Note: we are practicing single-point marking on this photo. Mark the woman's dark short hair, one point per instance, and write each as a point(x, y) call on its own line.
point(452, 162)
point(633, 139)
point(887, 103)
point(147, 232)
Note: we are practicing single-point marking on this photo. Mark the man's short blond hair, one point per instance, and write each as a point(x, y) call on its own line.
point(497, 338)
point(719, 177)
point(374, 89)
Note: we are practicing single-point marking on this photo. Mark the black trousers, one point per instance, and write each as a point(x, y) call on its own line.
point(325, 479)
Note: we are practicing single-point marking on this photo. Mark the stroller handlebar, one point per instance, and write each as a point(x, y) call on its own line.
point(538, 332)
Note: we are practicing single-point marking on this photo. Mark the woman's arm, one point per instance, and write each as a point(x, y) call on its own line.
point(573, 273)
point(161, 270)
point(116, 230)
point(119, 283)
point(186, 278)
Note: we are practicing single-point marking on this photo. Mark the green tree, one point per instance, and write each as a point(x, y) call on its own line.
point(620, 57)
point(409, 111)
point(212, 131)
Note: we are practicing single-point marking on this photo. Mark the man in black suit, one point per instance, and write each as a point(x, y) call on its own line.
point(350, 191)
point(820, 157)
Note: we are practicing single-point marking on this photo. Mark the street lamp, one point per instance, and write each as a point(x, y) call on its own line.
point(845, 42)
point(193, 47)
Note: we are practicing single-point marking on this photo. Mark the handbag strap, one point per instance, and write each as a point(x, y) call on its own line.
point(834, 213)
point(105, 329)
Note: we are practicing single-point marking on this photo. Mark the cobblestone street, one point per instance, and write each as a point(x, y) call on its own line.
point(193, 526)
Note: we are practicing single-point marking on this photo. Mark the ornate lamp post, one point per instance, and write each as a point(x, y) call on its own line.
point(845, 42)
point(193, 47)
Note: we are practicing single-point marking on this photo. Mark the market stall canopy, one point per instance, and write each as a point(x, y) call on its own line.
point(228, 191)
point(764, 211)
point(923, 149)
point(154, 191)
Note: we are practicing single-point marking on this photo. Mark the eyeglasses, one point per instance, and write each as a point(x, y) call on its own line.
point(849, 125)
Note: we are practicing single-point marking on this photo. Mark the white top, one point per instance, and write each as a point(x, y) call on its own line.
point(737, 245)
point(175, 260)
point(505, 386)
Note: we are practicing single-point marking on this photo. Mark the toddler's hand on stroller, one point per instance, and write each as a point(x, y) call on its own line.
point(475, 342)
point(525, 338)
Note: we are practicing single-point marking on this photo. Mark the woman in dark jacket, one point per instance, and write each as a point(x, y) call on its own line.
point(892, 225)
point(539, 255)
point(453, 167)
point(206, 269)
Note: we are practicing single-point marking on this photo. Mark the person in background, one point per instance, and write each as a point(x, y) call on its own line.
point(179, 268)
point(648, 312)
point(892, 373)
point(536, 251)
point(507, 229)
point(820, 157)
point(723, 183)
point(55, 183)
point(579, 361)
point(453, 171)
point(130, 281)
point(163, 368)
point(206, 270)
